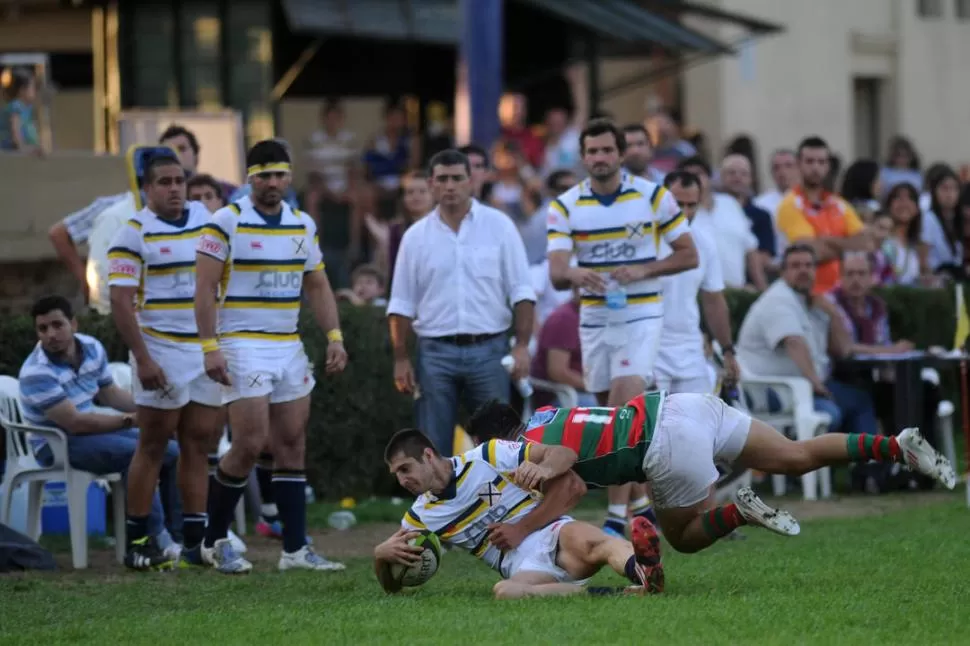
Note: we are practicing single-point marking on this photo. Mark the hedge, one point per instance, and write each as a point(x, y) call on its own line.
point(354, 413)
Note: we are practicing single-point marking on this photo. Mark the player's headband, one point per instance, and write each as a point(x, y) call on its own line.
point(275, 167)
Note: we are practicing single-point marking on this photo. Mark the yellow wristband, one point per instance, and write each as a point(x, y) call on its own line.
point(210, 345)
point(335, 336)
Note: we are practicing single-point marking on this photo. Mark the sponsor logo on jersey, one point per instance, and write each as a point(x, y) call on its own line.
point(540, 418)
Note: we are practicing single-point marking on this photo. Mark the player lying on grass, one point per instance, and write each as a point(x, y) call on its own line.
point(471, 503)
point(674, 441)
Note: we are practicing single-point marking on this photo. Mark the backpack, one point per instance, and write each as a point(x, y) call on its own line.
point(19, 553)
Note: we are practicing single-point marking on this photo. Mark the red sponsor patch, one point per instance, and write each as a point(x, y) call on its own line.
point(625, 363)
point(209, 245)
point(165, 250)
point(123, 267)
point(256, 244)
point(552, 219)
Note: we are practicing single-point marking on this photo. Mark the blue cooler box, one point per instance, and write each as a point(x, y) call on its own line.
point(54, 517)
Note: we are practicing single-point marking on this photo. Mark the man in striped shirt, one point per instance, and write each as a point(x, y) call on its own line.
point(254, 261)
point(66, 383)
point(470, 502)
point(675, 442)
point(152, 281)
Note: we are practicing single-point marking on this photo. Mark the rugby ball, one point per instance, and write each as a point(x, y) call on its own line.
point(419, 573)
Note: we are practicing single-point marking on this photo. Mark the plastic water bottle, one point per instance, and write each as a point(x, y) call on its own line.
point(342, 520)
point(310, 496)
point(616, 334)
point(523, 385)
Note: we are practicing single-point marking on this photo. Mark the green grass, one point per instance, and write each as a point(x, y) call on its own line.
point(894, 579)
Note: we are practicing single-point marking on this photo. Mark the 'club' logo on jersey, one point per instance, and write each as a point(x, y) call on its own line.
point(489, 494)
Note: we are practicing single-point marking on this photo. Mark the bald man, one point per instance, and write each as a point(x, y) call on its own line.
point(736, 181)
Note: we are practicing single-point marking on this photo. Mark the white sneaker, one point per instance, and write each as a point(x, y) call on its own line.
point(306, 559)
point(919, 456)
point(756, 512)
point(237, 543)
point(173, 551)
point(224, 558)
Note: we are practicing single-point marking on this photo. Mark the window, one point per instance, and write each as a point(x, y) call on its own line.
point(929, 8)
point(962, 9)
point(200, 45)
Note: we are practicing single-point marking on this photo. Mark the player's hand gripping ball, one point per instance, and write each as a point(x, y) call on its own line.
point(418, 574)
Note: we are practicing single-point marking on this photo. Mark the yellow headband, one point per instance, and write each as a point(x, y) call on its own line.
point(277, 167)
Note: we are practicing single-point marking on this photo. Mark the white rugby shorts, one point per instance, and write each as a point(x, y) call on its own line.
point(602, 362)
point(185, 375)
point(279, 369)
point(694, 434)
point(537, 553)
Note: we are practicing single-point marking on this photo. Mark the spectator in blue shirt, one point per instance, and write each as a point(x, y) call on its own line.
point(18, 128)
point(66, 383)
point(737, 182)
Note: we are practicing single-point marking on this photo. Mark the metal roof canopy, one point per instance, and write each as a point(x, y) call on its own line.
point(439, 21)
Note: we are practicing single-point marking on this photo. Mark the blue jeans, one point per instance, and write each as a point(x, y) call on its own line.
point(445, 372)
point(851, 409)
point(111, 453)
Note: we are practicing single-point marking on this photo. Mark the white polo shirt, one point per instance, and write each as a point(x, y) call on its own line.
point(462, 282)
point(731, 231)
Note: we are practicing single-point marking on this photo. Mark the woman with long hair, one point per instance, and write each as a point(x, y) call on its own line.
point(861, 188)
point(942, 224)
point(904, 249)
point(902, 165)
point(414, 203)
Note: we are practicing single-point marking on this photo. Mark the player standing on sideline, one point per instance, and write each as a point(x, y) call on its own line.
point(151, 279)
point(681, 365)
point(614, 222)
point(255, 259)
point(674, 441)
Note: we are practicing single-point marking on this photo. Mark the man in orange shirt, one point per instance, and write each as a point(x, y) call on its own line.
point(812, 215)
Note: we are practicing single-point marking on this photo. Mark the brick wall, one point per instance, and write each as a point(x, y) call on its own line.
point(22, 283)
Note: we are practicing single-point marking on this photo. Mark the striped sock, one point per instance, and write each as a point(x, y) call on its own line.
point(193, 528)
point(643, 507)
point(721, 521)
point(863, 447)
point(290, 486)
point(224, 495)
point(615, 519)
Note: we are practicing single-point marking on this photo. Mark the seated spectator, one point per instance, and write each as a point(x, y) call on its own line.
point(18, 127)
point(879, 231)
point(866, 318)
point(902, 165)
point(205, 188)
point(368, 286)
point(906, 253)
point(558, 358)
point(63, 384)
point(942, 224)
point(737, 246)
point(788, 332)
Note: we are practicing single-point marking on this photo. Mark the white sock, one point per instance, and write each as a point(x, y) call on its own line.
point(617, 511)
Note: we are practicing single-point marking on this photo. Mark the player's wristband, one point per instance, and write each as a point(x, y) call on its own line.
point(335, 336)
point(209, 345)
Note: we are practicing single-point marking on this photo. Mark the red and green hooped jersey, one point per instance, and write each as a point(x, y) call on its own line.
point(611, 442)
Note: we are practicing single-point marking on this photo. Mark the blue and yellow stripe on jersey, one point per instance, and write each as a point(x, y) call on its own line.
point(631, 299)
point(165, 236)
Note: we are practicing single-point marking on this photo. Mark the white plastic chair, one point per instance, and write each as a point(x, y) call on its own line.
point(121, 372)
point(23, 469)
point(567, 396)
point(224, 445)
point(797, 412)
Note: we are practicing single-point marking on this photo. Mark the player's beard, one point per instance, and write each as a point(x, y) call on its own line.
point(269, 199)
point(636, 166)
point(604, 173)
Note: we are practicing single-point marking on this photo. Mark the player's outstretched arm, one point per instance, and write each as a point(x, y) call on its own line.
point(559, 496)
point(395, 550)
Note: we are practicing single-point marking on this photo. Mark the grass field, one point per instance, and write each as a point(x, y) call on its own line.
point(898, 577)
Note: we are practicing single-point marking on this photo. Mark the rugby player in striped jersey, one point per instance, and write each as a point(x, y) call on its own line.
point(674, 442)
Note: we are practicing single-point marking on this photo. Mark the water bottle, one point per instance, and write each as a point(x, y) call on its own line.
point(615, 313)
point(310, 496)
point(342, 520)
point(523, 385)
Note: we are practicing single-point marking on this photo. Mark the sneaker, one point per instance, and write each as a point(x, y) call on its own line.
point(144, 555)
point(306, 559)
point(224, 558)
point(919, 456)
point(756, 512)
point(237, 543)
point(173, 551)
point(646, 550)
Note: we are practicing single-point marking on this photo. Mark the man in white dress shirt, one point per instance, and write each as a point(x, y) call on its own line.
point(461, 276)
point(681, 365)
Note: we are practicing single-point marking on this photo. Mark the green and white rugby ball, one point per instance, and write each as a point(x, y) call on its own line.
point(411, 576)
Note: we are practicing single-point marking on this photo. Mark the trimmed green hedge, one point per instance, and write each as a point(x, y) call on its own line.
point(354, 413)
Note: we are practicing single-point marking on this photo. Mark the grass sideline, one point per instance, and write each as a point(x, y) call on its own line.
point(892, 579)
